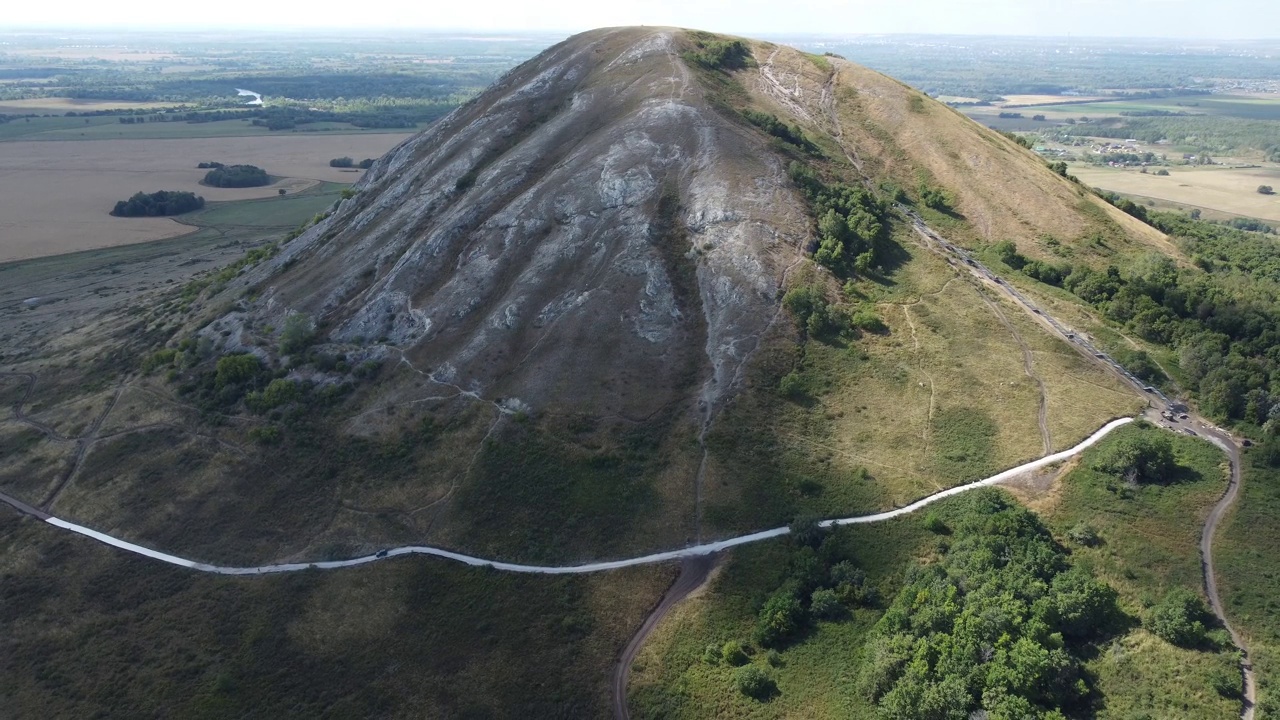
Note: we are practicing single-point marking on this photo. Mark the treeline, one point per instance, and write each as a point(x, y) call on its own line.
point(346, 162)
point(1222, 318)
point(1212, 133)
point(156, 204)
point(715, 53)
point(236, 176)
point(790, 134)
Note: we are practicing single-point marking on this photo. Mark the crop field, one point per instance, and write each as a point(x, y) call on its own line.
point(55, 197)
point(105, 127)
point(1228, 190)
point(1249, 107)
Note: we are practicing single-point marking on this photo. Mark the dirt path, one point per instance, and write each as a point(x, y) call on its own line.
point(1210, 576)
point(694, 572)
point(83, 444)
point(21, 416)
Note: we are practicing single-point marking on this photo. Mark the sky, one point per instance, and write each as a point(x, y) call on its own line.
point(1219, 19)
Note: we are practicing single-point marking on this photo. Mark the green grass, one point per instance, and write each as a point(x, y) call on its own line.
point(964, 443)
point(1247, 554)
point(280, 212)
point(92, 632)
point(1149, 546)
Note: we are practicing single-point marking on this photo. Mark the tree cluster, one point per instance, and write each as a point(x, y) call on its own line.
point(237, 176)
point(156, 204)
point(853, 234)
point(1223, 319)
point(790, 134)
point(996, 628)
point(346, 162)
point(716, 53)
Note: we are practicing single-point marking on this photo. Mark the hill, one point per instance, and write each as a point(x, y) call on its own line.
point(655, 287)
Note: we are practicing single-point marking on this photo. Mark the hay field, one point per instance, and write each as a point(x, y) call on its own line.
point(1227, 190)
point(55, 196)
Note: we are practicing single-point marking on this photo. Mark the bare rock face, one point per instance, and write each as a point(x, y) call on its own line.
point(589, 234)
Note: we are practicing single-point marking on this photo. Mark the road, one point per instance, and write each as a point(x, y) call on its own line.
point(694, 572)
point(1159, 403)
point(693, 551)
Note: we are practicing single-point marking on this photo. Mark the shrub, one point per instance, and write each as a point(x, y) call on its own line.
point(1225, 683)
point(825, 604)
point(755, 683)
point(779, 619)
point(732, 653)
point(342, 162)
point(711, 654)
point(934, 524)
point(1083, 534)
point(1266, 190)
point(297, 334)
point(236, 369)
point(774, 658)
point(1178, 619)
point(721, 54)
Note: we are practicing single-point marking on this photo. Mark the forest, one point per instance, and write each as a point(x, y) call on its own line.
point(236, 176)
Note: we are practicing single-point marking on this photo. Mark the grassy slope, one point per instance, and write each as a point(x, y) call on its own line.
point(1150, 546)
point(1247, 554)
point(93, 632)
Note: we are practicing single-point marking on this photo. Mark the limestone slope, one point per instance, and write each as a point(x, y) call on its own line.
point(586, 234)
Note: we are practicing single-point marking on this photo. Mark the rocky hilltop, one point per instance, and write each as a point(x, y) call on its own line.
point(588, 233)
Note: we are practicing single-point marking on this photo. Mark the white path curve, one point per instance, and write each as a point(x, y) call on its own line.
point(693, 551)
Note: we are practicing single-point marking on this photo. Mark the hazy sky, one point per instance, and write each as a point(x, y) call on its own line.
point(1165, 18)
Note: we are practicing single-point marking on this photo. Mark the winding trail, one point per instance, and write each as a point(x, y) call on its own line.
point(692, 551)
point(1028, 367)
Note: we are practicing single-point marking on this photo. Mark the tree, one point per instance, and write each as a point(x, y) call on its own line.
point(825, 604)
point(281, 191)
point(1144, 457)
point(342, 162)
point(779, 619)
point(1266, 190)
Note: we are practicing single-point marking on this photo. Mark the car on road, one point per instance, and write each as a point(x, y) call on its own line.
point(381, 554)
point(1189, 431)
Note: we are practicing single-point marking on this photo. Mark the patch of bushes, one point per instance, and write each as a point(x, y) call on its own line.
point(718, 53)
point(852, 223)
point(790, 134)
point(755, 683)
point(996, 628)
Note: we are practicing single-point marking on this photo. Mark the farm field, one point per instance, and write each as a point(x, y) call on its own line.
point(55, 197)
point(105, 127)
point(1227, 190)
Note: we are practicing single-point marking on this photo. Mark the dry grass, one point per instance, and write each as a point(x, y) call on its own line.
point(1027, 100)
point(55, 196)
point(1228, 190)
point(1001, 190)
